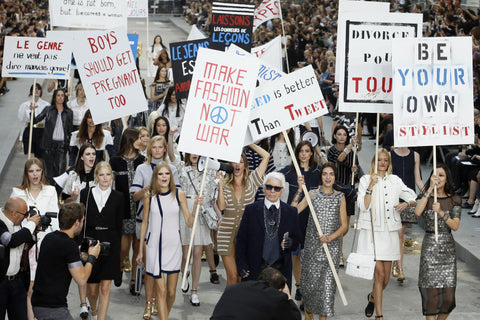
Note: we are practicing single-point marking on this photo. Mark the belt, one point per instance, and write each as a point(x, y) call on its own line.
point(448, 231)
point(101, 228)
point(14, 277)
point(39, 125)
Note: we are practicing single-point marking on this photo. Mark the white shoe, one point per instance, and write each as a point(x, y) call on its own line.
point(476, 206)
point(477, 215)
point(186, 286)
point(83, 312)
point(194, 300)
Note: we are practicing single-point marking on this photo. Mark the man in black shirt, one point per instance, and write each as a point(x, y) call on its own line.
point(58, 262)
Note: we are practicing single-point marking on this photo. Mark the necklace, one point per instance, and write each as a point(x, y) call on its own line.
point(272, 222)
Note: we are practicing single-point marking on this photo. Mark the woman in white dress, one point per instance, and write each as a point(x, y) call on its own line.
point(153, 53)
point(36, 192)
point(78, 105)
point(161, 232)
point(384, 190)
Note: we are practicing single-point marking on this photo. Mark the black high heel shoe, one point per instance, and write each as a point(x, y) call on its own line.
point(370, 306)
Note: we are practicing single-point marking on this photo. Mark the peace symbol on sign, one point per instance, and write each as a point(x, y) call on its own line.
point(219, 115)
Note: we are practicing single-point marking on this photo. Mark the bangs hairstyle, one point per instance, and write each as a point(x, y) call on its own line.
point(25, 182)
point(37, 86)
point(79, 163)
point(449, 185)
point(372, 164)
point(328, 164)
point(246, 172)
point(150, 146)
point(154, 183)
point(312, 162)
point(101, 165)
point(337, 128)
point(82, 135)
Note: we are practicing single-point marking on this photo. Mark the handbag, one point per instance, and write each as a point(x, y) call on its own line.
point(362, 265)
point(208, 214)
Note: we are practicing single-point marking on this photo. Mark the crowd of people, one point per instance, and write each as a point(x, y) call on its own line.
point(140, 195)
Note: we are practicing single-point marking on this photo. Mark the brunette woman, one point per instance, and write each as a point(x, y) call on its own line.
point(174, 110)
point(159, 87)
point(78, 105)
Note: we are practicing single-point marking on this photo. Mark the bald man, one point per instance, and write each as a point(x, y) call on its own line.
point(13, 295)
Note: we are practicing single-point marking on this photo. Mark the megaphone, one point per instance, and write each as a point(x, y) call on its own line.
point(213, 164)
point(310, 137)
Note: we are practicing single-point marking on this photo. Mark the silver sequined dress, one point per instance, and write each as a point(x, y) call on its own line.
point(318, 283)
point(438, 267)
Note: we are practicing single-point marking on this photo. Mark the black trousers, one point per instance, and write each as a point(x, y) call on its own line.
point(54, 161)
point(13, 299)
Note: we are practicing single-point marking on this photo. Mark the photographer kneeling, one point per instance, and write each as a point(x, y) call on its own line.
point(58, 262)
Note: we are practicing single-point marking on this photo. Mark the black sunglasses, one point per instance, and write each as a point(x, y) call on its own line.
point(275, 188)
point(23, 214)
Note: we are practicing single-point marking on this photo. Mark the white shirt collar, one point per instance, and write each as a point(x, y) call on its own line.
point(268, 203)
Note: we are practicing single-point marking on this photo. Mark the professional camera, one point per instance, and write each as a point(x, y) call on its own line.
point(45, 220)
point(89, 242)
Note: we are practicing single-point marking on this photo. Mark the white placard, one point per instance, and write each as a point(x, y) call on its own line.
point(433, 91)
point(363, 8)
point(270, 52)
point(46, 58)
point(290, 100)
point(109, 74)
point(218, 106)
point(137, 8)
point(266, 11)
point(89, 14)
point(366, 84)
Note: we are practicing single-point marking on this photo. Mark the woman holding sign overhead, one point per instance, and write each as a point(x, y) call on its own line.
point(437, 277)
point(378, 198)
point(234, 192)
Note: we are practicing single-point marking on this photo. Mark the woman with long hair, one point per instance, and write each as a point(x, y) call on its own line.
point(310, 170)
point(318, 282)
point(79, 105)
point(163, 206)
point(103, 222)
point(378, 195)
point(37, 193)
point(88, 132)
point(234, 192)
point(24, 117)
point(144, 140)
point(156, 153)
point(174, 110)
point(153, 53)
point(159, 87)
point(437, 277)
point(124, 164)
point(279, 151)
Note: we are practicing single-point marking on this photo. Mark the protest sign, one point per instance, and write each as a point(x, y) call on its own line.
point(232, 23)
point(137, 8)
point(109, 74)
point(363, 9)
point(46, 58)
point(218, 105)
point(195, 34)
point(270, 53)
point(90, 14)
point(366, 84)
point(290, 100)
point(183, 62)
point(266, 11)
point(133, 41)
point(433, 91)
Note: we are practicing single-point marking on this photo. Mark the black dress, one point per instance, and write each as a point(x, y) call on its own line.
point(105, 226)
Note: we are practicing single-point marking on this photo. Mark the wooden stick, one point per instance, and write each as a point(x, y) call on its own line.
point(187, 262)
point(148, 48)
point(32, 115)
point(283, 36)
point(355, 149)
point(315, 219)
point(435, 190)
point(373, 200)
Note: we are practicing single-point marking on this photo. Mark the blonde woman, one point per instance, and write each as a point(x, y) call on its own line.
point(160, 232)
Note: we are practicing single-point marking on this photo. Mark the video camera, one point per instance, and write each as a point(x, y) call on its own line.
point(90, 242)
point(45, 220)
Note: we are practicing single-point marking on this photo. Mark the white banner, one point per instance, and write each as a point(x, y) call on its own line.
point(46, 58)
point(433, 91)
point(270, 53)
point(89, 14)
point(290, 100)
point(196, 34)
point(218, 105)
point(345, 7)
point(109, 75)
point(137, 8)
point(366, 84)
point(267, 10)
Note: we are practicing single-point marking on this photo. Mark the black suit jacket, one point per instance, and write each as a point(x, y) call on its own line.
point(251, 237)
point(50, 114)
point(18, 238)
point(253, 300)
